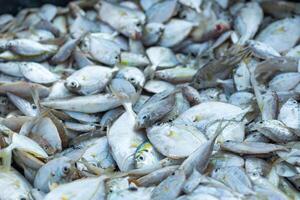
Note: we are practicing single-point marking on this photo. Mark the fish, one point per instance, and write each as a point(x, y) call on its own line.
point(131, 25)
point(74, 189)
point(146, 156)
point(16, 186)
point(54, 173)
point(175, 140)
point(84, 82)
point(150, 99)
point(251, 147)
point(87, 104)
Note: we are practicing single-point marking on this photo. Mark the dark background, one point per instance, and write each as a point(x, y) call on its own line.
point(13, 6)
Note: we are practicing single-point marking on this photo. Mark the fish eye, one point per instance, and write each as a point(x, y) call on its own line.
point(138, 24)
point(173, 173)
point(23, 198)
point(73, 84)
point(66, 169)
point(33, 106)
point(144, 117)
point(141, 157)
point(132, 79)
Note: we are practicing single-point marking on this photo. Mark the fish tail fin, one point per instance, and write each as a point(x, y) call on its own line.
point(6, 156)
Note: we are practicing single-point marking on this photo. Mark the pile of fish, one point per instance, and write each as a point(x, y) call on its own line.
point(151, 99)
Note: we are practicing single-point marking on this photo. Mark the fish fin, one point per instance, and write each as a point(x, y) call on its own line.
point(6, 156)
point(52, 186)
point(149, 72)
point(36, 99)
point(220, 129)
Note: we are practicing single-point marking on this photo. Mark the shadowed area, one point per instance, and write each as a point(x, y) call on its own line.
point(13, 6)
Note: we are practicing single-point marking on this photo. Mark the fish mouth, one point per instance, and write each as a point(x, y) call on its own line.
point(138, 125)
point(136, 35)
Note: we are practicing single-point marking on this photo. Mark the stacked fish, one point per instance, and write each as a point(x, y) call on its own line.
point(151, 99)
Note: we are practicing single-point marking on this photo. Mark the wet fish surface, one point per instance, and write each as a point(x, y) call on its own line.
point(151, 99)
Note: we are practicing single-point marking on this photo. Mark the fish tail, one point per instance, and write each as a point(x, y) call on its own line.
point(6, 156)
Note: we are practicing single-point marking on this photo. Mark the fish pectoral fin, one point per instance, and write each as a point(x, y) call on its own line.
point(53, 185)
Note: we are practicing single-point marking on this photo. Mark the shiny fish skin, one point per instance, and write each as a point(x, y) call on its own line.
point(74, 190)
point(87, 104)
point(131, 138)
point(276, 34)
point(21, 190)
point(102, 48)
point(151, 99)
point(29, 48)
point(156, 176)
point(175, 141)
point(235, 178)
point(23, 89)
point(161, 12)
point(130, 26)
point(89, 80)
point(37, 73)
point(248, 20)
point(60, 167)
point(276, 131)
point(251, 147)
point(170, 187)
point(152, 112)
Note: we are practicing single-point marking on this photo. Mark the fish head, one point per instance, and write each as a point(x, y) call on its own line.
point(72, 85)
point(145, 156)
point(143, 120)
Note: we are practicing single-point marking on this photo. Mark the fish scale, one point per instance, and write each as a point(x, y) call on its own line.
point(150, 99)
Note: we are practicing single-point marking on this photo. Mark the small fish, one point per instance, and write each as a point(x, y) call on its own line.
point(89, 79)
point(276, 130)
point(191, 94)
point(86, 104)
point(146, 156)
point(134, 75)
point(152, 112)
point(175, 140)
point(29, 48)
point(176, 74)
point(251, 147)
point(169, 188)
point(126, 20)
point(289, 114)
point(161, 12)
point(279, 31)
point(208, 75)
point(248, 20)
point(156, 176)
point(102, 48)
point(236, 178)
point(87, 188)
point(110, 116)
point(171, 36)
point(54, 173)
point(152, 33)
point(15, 186)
